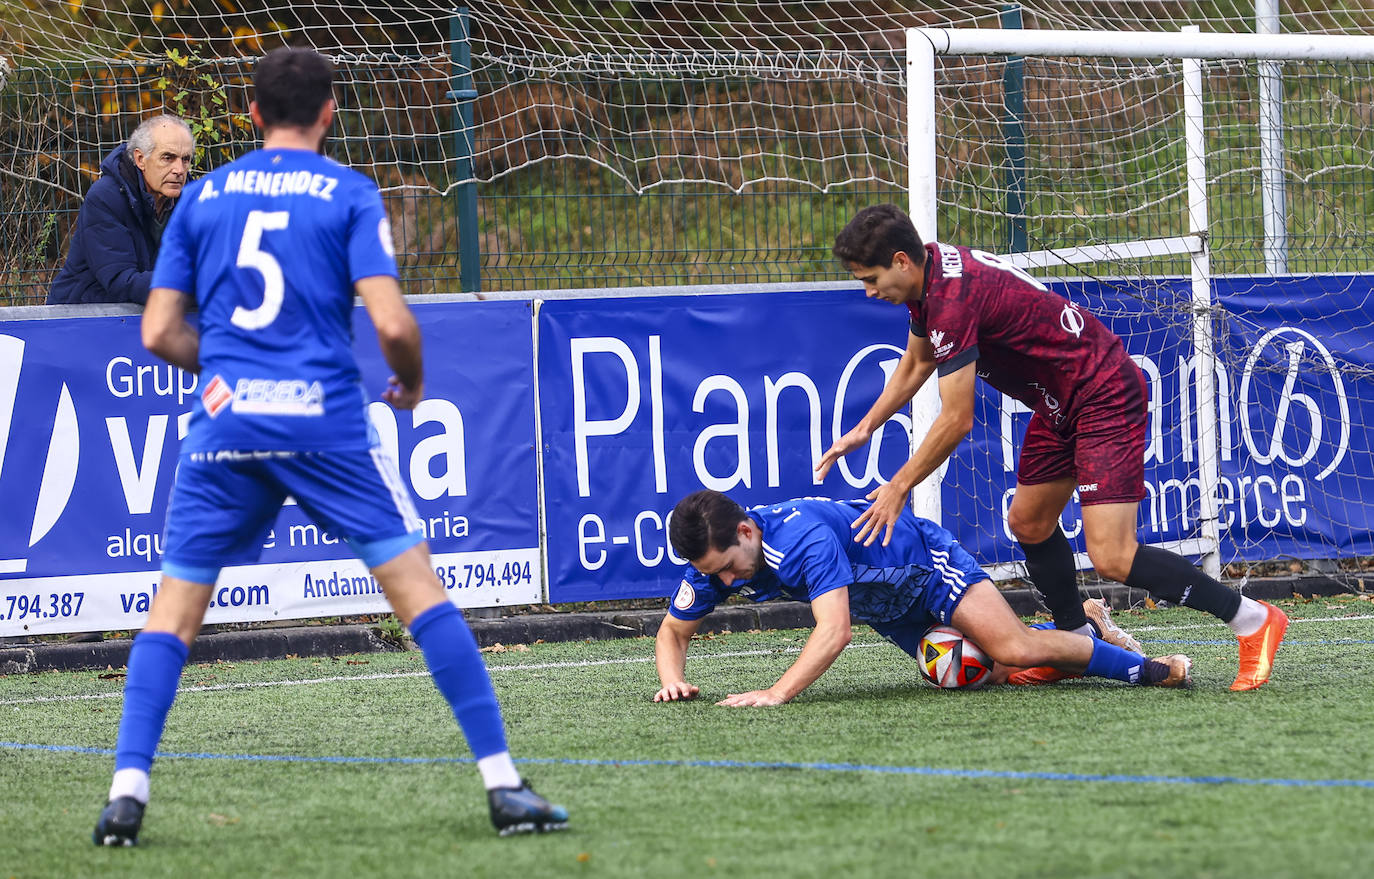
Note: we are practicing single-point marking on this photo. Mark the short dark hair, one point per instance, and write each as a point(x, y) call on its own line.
point(875, 234)
point(291, 85)
point(702, 521)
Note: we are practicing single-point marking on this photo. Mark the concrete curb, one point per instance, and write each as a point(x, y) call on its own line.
point(281, 643)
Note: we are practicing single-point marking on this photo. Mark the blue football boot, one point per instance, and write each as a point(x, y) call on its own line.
point(119, 822)
point(521, 810)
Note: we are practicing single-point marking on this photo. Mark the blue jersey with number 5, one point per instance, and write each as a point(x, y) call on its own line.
point(270, 246)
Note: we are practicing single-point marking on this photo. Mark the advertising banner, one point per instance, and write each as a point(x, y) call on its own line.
point(1295, 401)
point(90, 424)
point(645, 400)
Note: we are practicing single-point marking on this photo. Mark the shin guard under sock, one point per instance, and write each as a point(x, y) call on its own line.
point(1173, 578)
point(1110, 661)
point(155, 663)
point(460, 675)
point(1050, 567)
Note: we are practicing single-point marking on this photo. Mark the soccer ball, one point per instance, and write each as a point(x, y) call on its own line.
point(951, 661)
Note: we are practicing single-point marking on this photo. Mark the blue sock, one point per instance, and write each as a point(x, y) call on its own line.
point(155, 663)
point(461, 676)
point(1110, 661)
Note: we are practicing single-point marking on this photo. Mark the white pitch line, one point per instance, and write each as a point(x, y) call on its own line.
point(382, 676)
point(1291, 622)
point(540, 666)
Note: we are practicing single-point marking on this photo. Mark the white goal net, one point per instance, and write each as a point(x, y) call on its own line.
point(1219, 224)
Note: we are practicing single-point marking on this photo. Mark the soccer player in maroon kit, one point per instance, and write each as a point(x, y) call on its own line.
point(976, 315)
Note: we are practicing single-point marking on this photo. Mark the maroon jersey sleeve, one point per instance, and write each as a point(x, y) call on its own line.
point(949, 319)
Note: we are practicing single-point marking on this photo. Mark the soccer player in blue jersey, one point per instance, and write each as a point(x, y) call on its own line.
point(804, 549)
point(273, 247)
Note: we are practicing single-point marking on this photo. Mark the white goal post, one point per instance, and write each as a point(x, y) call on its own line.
point(1188, 49)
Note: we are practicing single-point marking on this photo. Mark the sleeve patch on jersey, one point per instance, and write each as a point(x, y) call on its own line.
point(686, 596)
point(937, 339)
point(384, 234)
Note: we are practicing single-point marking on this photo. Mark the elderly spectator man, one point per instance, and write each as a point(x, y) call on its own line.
point(117, 232)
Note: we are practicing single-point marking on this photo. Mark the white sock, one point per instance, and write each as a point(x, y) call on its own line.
point(1248, 620)
point(498, 770)
point(130, 783)
point(1085, 629)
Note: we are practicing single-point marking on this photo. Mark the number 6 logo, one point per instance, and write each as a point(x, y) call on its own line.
point(251, 256)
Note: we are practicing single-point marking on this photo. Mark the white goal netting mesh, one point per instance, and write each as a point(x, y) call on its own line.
point(1041, 153)
point(778, 99)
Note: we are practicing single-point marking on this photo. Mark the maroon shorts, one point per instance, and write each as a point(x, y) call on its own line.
point(1104, 448)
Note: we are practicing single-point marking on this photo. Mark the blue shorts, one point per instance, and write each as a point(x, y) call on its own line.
point(224, 503)
point(955, 571)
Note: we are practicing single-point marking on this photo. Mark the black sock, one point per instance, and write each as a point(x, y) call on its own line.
point(1050, 567)
point(1174, 578)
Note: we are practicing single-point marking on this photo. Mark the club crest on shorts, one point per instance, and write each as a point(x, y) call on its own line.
point(686, 596)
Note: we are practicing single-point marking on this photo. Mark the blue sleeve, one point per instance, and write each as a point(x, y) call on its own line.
point(176, 264)
point(817, 556)
point(371, 251)
point(695, 597)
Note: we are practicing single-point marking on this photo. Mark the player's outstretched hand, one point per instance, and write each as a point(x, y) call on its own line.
point(678, 692)
point(888, 501)
point(756, 697)
point(401, 396)
point(843, 446)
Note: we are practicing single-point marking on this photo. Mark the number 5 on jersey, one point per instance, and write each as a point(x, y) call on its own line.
point(252, 256)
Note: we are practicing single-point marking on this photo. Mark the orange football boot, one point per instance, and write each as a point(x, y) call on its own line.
point(1257, 650)
point(1040, 674)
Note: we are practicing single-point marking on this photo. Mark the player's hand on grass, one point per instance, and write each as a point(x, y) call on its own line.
point(843, 446)
point(754, 698)
point(678, 692)
point(888, 501)
point(401, 396)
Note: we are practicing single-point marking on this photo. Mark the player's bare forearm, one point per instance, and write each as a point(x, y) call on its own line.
point(180, 348)
point(911, 373)
point(401, 350)
point(165, 331)
point(670, 658)
point(907, 379)
point(827, 641)
point(822, 648)
point(944, 436)
point(670, 654)
point(889, 500)
point(398, 334)
point(946, 432)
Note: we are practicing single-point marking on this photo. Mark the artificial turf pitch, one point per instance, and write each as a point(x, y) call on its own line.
point(353, 766)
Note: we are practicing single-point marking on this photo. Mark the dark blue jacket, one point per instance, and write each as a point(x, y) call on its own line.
point(115, 245)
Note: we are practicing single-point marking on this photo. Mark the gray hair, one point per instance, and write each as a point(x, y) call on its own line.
point(142, 138)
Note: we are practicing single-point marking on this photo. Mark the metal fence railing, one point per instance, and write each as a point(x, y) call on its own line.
point(549, 215)
point(557, 221)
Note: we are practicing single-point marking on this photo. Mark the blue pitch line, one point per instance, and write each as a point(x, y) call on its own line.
point(1287, 642)
point(744, 764)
